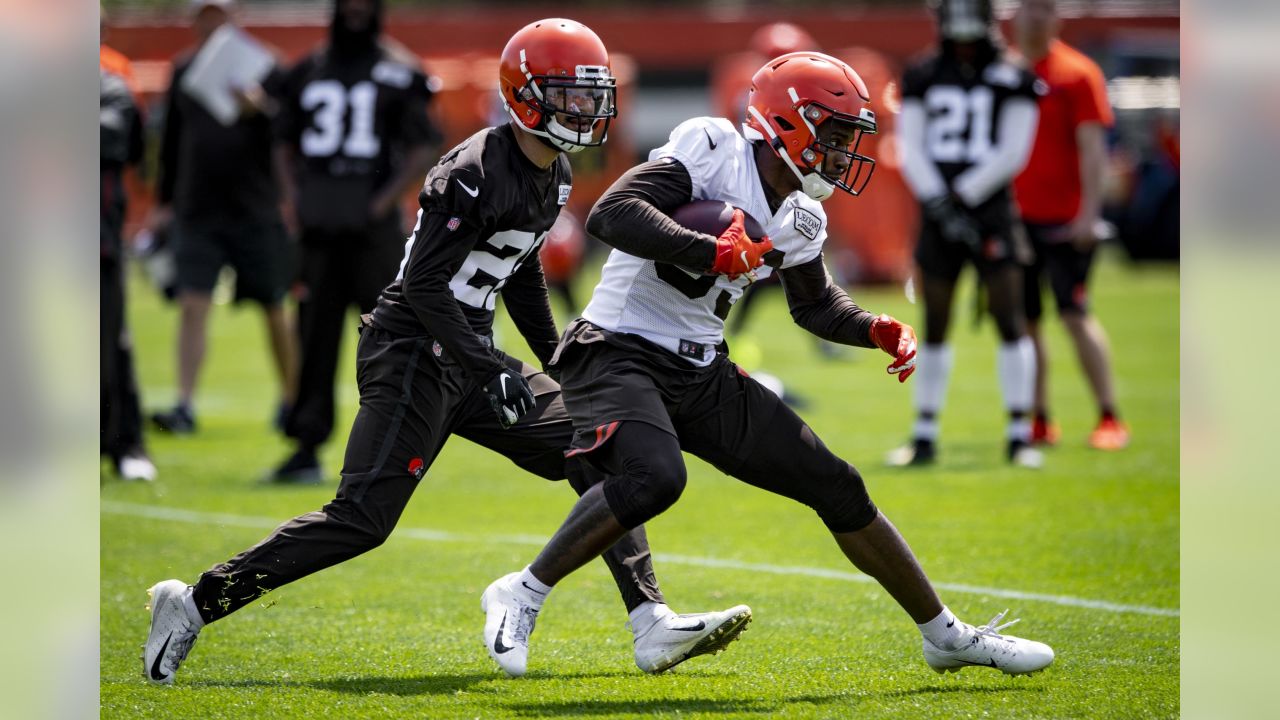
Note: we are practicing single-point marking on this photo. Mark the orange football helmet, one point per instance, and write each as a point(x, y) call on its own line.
point(791, 97)
point(555, 83)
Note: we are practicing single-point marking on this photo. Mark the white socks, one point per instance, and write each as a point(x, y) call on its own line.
point(189, 604)
point(648, 613)
point(946, 631)
point(933, 370)
point(530, 589)
point(1016, 368)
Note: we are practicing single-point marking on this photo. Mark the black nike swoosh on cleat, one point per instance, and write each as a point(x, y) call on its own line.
point(155, 666)
point(692, 628)
point(710, 142)
point(989, 663)
point(526, 587)
point(498, 647)
point(953, 622)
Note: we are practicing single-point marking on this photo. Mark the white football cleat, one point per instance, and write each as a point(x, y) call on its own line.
point(508, 623)
point(986, 647)
point(672, 639)
point(1025, 456)
point(172, 631)
point(1028, 458)
point(137, 467)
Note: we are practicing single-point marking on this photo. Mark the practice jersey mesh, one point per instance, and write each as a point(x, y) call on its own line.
point(683, 310)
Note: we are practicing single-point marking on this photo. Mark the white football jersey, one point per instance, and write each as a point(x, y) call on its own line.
point(681, 310)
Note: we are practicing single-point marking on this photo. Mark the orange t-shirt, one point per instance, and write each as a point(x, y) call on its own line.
point(1048, 189)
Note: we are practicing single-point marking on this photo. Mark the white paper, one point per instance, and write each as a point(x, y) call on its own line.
point(230, 59)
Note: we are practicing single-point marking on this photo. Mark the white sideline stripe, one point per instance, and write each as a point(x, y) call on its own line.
point(156, 512)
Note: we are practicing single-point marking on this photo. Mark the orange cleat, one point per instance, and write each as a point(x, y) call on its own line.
point(1111, 434)
point(1044, 433)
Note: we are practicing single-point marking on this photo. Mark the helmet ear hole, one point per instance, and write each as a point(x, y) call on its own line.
point(782, 123)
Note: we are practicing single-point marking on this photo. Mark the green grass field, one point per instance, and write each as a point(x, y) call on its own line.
point(1085, 552)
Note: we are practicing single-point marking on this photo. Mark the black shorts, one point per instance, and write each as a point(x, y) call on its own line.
point(1004, 243)
point(717, 413)
point(259, 251)
point(608, 378)
point(1065, 266)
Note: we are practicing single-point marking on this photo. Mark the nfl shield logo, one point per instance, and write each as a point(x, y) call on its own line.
point(453, 223)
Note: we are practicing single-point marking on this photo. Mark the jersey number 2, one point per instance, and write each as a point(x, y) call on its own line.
point(330, 100)
point(953, 113)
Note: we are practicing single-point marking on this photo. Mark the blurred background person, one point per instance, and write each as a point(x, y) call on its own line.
point(967, 124)
point(120, 145)
point(1059, 196)
point(216, 187)
point(562, 254)
point(353, 135)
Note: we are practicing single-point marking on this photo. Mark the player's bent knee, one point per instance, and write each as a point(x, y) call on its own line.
point(847, 507)
point(647, 486)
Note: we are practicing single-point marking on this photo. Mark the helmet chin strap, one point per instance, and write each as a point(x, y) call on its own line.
point(813, 184)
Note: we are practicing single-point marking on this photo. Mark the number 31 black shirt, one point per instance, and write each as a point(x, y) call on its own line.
point(352, 120)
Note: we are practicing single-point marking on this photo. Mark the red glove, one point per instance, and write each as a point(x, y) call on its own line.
point(898, 340)
point(736, 253)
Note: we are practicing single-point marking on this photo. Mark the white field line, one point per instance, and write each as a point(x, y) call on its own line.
point(195, 517)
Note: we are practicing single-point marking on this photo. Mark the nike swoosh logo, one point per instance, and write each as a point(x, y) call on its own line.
point(526, 587)
point(156, 674)
point(745, 264)
point(504, 386)
point(473, 192)
point(691, 628)
point(989, 663)
point(498, 647)
point(710, 142)
point(953, 622)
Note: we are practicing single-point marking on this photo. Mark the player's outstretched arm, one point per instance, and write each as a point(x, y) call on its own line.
point(826, 310)
point(823, 308)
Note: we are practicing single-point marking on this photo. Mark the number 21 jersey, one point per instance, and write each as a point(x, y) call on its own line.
point(962, 105)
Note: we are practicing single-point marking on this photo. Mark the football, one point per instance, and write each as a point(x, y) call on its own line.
point(712, 217)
